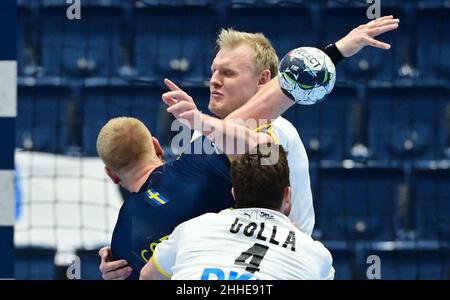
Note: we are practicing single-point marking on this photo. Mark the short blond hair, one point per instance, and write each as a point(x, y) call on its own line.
point(265, 55)
point(123, 143)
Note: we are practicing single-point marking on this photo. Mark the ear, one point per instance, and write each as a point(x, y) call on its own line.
point(286, 206)
point(232, 193)
point(112, 175)
point(158, 149)
point(264, 77)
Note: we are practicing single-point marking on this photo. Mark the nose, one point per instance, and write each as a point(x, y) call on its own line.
point(216, 80)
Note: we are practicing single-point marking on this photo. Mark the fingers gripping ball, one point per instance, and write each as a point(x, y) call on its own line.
point(306, 75)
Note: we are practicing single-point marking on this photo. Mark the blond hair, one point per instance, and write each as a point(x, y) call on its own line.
point(265, 55)
point(123, 143)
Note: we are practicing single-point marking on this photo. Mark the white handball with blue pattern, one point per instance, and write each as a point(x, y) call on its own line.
point(306, 75)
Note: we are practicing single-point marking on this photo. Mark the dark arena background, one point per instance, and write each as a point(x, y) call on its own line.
point(378, 147)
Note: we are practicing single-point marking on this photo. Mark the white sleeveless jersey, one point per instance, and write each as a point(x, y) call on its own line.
point(302, 210)
point(252, 243)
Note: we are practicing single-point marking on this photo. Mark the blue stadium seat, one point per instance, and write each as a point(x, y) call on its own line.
point(343, 260)
point(174, 42)
point(246, 2)
point(103, 3)
point(357, 204)
point(261, 3)
point(432, 3)
point(177, 2)
point(34, 263)
point(410, 261)
point(63, 3)
point(370, 63)
point(403, 123)
point(385, 4)
point(90, 262)
point(43, 118)
point(325, 127)
point(442, 95)
point(286, 27)
point(105, 102)
point(87, 47)
point(288, 2)
point(432, 204)
point(433, 44)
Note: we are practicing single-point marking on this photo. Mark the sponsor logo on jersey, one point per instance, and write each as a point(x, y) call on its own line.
point(219, 274)
point(265, 215)
point(146, 255)
point(249, 214)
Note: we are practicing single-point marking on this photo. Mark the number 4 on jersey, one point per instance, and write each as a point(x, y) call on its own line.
point(256, 253)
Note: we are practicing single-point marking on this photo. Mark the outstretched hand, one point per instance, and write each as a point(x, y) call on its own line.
point(181, 105)
point(364, 35)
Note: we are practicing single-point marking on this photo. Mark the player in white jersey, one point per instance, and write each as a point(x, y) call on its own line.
point(244, 64)
point(254, 241)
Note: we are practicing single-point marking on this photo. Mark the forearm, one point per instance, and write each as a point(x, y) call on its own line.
point(230, 137)
point(267, 104)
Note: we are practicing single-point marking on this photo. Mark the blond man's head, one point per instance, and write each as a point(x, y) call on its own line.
point(125, 143)
point(265, 56)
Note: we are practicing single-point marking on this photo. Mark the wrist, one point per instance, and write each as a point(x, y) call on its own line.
point(335, 52)
point(198, 121)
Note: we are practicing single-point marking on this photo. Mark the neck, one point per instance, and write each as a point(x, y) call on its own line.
point(140, 175)
point(280, 210)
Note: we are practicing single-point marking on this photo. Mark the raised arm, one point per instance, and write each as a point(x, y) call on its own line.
point(267, 104)
point(270, 102)
point(229, 136)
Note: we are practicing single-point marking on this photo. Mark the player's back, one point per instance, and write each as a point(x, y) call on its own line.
point(246, 244)
point(175, 192)
point(302, 211)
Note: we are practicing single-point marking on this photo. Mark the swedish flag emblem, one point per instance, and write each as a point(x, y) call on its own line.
point(155, 197)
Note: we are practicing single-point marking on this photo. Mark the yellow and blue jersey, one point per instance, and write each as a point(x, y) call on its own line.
point(177, 191)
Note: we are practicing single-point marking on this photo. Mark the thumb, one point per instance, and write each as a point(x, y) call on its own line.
point(104, 253)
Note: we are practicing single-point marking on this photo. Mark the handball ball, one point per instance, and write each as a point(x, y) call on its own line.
point(306, 75)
